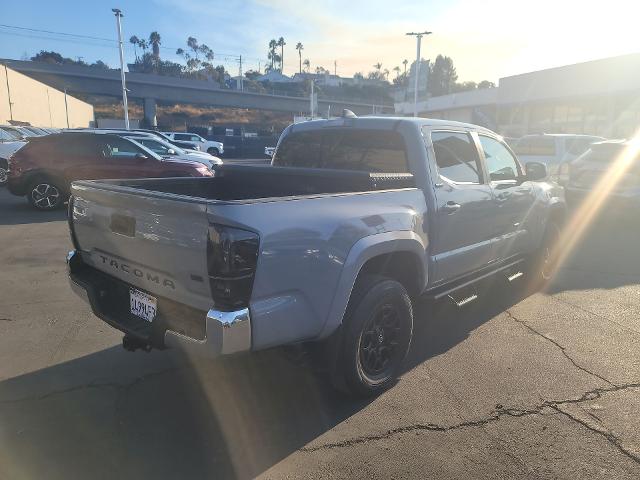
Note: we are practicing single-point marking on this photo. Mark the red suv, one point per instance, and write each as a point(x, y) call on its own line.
point(44, 168)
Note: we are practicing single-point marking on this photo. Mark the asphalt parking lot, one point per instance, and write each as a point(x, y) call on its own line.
point(542, 385)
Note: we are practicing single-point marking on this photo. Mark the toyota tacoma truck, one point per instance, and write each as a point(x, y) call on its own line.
point(328, 245)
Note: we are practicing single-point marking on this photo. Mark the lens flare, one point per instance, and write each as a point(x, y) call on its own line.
point(590, 207)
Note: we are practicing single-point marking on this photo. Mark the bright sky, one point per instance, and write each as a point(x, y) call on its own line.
point(487, 39)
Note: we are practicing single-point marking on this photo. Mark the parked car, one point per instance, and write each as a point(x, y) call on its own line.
point(585, 173)
point(9, 144)
point(211, 147)
point(166, 149)
point(43, 169)
point(15, 132)
point(187, 146)
point(355, 218)
point(552, 149)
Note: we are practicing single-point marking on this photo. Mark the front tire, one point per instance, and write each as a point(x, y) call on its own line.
point(377, 332)
point(44, 195)
point(213, 151)
point(546, 259)
point(3, 173)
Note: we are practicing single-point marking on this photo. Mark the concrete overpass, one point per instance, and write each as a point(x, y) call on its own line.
point(153, 88)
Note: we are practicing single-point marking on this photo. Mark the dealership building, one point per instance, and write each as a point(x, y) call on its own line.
point(600, 97)
point(25, 101)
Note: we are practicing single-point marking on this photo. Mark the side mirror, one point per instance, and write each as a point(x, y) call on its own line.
point(536, 171)
point(141, 157)
point(171, 151)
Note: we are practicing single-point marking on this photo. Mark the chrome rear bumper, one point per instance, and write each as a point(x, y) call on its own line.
point(225, 332)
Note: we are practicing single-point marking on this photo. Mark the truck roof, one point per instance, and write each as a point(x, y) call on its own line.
point(382, 122)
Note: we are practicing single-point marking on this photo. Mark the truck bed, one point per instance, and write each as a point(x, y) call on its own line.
point(240, 182)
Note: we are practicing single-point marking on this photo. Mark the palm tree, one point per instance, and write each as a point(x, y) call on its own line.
point(154, 41)
point(378, 66)
point(385, 74)
point(272, 50)
point(281, 44)
point(300, 47)
point(142, 43)
point(307, 64)
point(135, 40)
point(397, 70)
point(404, 62)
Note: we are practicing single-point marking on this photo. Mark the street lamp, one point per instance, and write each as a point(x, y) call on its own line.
point(119, 15)
point(418, 36)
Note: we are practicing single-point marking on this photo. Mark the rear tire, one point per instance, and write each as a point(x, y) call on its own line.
point(377, 332)
point(45, 194)
point(213, 151)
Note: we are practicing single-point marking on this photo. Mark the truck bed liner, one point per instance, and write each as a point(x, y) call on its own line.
point(240, 182)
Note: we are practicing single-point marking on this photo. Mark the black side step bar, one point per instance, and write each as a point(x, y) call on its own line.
point(449, 290)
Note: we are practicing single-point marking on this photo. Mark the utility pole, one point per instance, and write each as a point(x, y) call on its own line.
point(119, 15)
point(312, 99)
point(241, 79)
point(66, 106)
point(335, 68)
point(418, 36)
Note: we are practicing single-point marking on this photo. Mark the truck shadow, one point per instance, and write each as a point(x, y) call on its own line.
point(114, 414)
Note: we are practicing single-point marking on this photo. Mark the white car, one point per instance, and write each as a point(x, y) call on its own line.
point(166, 149)
point(211, 147)
point(9, 144)
point(552, 149)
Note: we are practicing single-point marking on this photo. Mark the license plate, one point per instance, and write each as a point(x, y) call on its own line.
point(143, 305)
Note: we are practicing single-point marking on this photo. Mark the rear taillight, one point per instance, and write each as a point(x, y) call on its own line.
point(232, 254)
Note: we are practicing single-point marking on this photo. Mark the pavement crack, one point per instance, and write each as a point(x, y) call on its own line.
point(119, 386)
point(498, 413)
point(610, 437)
point(562, 349)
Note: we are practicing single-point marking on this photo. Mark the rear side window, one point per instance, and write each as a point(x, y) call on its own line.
point(67, 144)
point(456, 157)
point(536, 146)
point(116, 147)
point(379, 151)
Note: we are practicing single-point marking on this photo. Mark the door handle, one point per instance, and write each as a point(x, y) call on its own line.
point(450, 207)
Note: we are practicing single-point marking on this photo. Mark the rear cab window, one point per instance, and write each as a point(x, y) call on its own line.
point(376, 151)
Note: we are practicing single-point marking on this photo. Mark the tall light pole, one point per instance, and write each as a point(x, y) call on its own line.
point(418, 36)
point(119, 15)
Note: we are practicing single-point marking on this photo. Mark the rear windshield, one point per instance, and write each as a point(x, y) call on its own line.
point(535, 146)
point(344, 149)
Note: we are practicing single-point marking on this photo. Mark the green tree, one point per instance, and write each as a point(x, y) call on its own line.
point(300, 47)
point(135, 40)
point(306, 64)
point(281, 44)
point(486, 84)
point(272, 52)
point(155, 41)
point(443, 76)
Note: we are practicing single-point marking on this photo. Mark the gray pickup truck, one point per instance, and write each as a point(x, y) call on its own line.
point(354, 218)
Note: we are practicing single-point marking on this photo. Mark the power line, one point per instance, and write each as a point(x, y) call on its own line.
point(58, 33)
point(81, 39)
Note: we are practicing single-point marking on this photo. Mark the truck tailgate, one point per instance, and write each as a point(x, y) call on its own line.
point(157, 244)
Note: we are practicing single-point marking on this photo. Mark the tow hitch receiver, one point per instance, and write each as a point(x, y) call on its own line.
point(131, 344)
